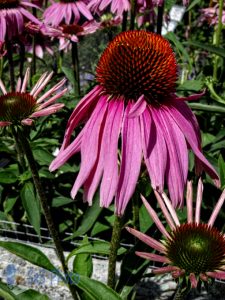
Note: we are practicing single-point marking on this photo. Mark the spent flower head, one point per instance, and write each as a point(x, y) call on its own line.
point(134, 99)
point(192, 251)
point(21, 107)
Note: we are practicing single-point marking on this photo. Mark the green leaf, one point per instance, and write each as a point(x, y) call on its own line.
point(193, 3)
point(207, 139)
point(31, 254)
point(69, 74)
point(42, 156)
point(221, 164)
point(99, 227)
point(89, 218)
point(31, 294)
point(183, 53)
point(82, 263)
point(31, 206)
point(210, 48)
point(97, 247)
point(191, 85)
point(8, 177)
point(96, 290)
point(9, 204)
point(5, 292)
point(60, 201)
point(144, 219)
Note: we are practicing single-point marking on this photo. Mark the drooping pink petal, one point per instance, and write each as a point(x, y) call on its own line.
point(52, 90)
point(111, 136)
point(170, 208)
point(138, 108)
point(155, 218)
point(177, 167)
point(193, 281)
point(47, 111)
point(64, 155)
point(90, 144)
point(5, 123)
point(154, 150)
point(27, 122)
point(25, 81)
point(130, 162)
point(153, 257)
point(164, 270)
point(52, 99)
point(147, 240)
point(84, 107)
point(185, 119)
point(3, 87)
point(217, 275)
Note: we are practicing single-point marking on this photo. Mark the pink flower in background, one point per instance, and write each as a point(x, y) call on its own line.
point(192, 251)
point(116, 7)
point(66, 12)
point(67, 33)
point(13, 15)
point(135, 101)
point(211, 15)
point(20, 107)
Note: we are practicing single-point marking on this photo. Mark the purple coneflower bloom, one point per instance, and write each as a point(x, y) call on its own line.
point(116, 7)
point(192, 250)
point(13, 15)
point(134, 100)
point(20, 107)
point(66, 12)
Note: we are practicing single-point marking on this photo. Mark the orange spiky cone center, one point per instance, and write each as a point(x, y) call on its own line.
point(4, 4)
point(138, 63)
point(196, 248)
point(16, 106)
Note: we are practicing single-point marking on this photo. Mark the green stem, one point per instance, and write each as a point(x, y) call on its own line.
point(132, 14)
point(44, 203)
point(11, 65)
point(19, 150)
point(124, 22)
point(33, 63)
point(218, 31)
point(213, 93)
point(114, 246)
point(76, 68)
point(135, 208)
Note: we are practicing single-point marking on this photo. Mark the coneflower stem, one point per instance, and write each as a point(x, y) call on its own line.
point(135, 210)
point(44, 203)
point(124, 22)
point(11, 65)
point(33, 62)
point(76, 68)
point(19, 150)
point(132, 14)
point(217, 38)
point(114, 246)
point(160, 18)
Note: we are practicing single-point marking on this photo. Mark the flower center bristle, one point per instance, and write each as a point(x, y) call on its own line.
point(16, 106)
point(138, 63)
point(72, 29)
point(9, 4)
point(196, 248)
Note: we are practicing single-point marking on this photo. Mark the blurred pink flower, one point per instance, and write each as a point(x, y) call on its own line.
point(192, 251)
point(116, 7)
point(20, 107)
point(2, 49)
point(211, 15)
point(13, 15)
point(134, 100)
point(66, 12)
point(67, 33)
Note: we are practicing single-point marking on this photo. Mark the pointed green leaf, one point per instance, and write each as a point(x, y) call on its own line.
point(5, 292)
point(31, 294)
point(213, 49)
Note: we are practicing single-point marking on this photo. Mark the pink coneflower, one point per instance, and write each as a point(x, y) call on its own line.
point(192, 251)
point(211, 15)
point(20, 107)
point(13, 15)
point(116, 7)
point(66, 12)
point(71, 33)
point(134, 100)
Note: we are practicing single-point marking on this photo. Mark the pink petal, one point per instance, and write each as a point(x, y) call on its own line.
point(154, 150)
point(147, 240)
point(90, 144)
point(138, 108)
point(154, 257)
point(27, 122)
point(217, 209)
point(64, 155)
point(189, 202)
point(5, 123)
point(164, 270)
point(185, 119)
point(193, 280)
point(198, 201)
point(130, 162)
point(111, 136)
point(217, 275)
point(47, 111)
